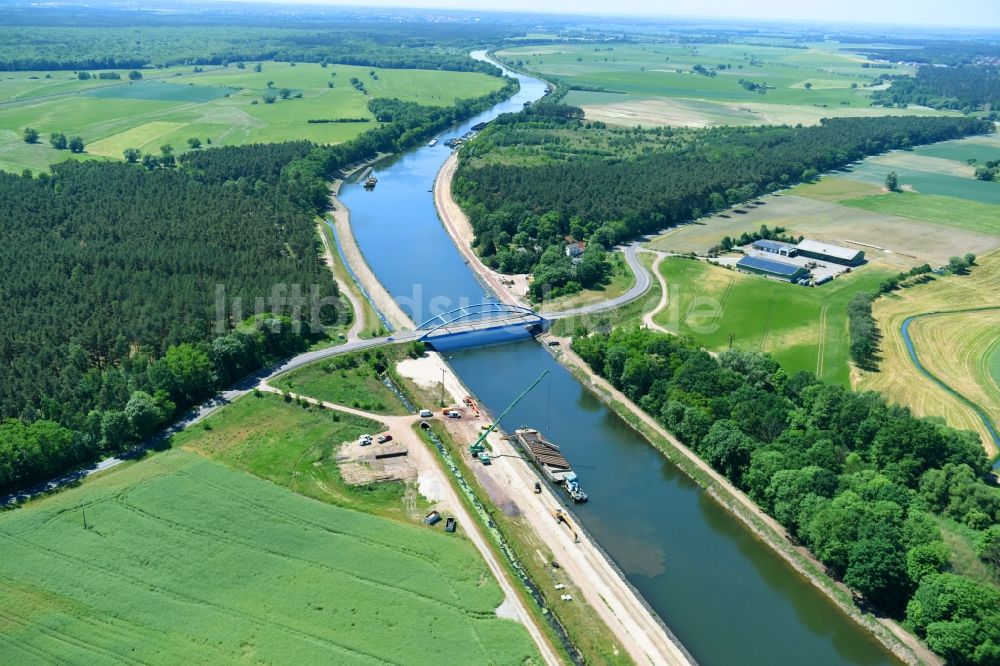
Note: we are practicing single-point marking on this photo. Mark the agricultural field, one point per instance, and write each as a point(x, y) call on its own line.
point(183, 559)
point(120, 565)
point(960, 349)
point(224, 105)
point(942, 212)
point(658, 84)
point(803, 328)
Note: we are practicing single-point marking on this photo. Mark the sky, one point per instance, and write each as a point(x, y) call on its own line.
point(971, 13)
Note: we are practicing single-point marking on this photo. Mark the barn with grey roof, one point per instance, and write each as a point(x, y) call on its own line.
point(835, 254)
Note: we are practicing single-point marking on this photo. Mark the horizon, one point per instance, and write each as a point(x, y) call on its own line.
point(973, 14)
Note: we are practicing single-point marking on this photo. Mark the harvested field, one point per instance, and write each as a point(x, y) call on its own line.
point(911, 242)
point(958, 348)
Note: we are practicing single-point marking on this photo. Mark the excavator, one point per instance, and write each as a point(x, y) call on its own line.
point(478, 448)
point(562, 519)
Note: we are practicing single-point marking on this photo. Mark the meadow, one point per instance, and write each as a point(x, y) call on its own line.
point(803, 328)
point(657, 84)
point(293, 446)
point(959, 348)
point(220, 105)
point(351, 380)
point(180, 557)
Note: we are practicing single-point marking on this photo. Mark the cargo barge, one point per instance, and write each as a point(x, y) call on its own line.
point(550, 460)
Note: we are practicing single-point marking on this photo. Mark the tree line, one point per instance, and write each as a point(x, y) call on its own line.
point(134, 47)
point(113, 324)
point(966, 87)
point(111, 409)
point(524, 195)
point(861, 483)
point(863, 328)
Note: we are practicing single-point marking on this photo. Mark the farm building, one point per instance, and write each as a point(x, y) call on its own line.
point(771, 268)
point(775, 247)
point(832, 253)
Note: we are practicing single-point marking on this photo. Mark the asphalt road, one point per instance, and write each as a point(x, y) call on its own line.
point(643, 281)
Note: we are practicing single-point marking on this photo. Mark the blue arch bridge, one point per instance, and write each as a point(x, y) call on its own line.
point(489, 323)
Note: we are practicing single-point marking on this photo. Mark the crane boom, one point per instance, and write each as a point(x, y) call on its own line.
point(478, 446)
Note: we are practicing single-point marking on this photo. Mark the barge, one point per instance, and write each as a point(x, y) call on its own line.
point(550, 460)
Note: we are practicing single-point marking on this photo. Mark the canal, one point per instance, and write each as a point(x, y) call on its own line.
point(727, 596)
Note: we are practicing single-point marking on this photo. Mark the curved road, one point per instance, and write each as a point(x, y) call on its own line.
point(643, 281)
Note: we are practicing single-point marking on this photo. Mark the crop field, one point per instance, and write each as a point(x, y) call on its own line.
point(222, 104)
point(949, 211)
point(961, 349)
point(972, 339)
point(183, 559)
point(910, 242)
point(803, 328)
point(654, 84)
point(940, 169)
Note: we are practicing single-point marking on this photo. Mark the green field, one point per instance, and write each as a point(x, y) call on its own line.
point(350, 380)
point(940, 169)
point(803, 328)
point(658, 84)
point(951, 211)
point(222, 104)
point(185, 559)
point(293, 447)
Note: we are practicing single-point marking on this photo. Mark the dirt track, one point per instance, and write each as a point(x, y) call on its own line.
point(431, 471)
point(457, 224)
point(510, 480)
point(358, 325)
point(381, 298)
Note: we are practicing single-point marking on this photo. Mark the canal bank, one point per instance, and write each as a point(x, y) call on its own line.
point(726, 595)
point(890, 633)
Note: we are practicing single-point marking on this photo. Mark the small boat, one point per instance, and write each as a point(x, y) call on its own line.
point(433, 143)
point(370, 182)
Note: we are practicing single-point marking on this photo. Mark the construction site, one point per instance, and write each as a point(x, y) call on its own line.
point(579, 571)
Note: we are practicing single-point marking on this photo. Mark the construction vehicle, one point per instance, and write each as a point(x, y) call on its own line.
point(561, 518)
point(478, 448)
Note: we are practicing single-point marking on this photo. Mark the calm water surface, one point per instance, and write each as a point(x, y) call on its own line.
point(726, 595)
